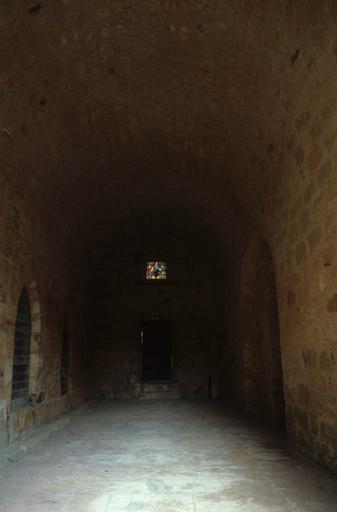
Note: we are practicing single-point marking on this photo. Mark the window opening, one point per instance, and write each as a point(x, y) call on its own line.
point(22, 339)
point(156, 270)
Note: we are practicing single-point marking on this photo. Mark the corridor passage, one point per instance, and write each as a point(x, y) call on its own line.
point(164, 456)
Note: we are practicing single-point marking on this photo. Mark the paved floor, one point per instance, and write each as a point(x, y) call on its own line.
point(164, 456)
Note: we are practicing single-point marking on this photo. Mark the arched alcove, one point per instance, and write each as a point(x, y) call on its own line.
point(26, 343)
point(64, 364)
point(21, 358)
point(262, 379)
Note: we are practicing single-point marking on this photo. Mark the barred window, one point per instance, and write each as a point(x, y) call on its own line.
point(64, 359)
point(23, 329)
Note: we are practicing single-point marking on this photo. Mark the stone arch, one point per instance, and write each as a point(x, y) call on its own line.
point(21, 356)
point(35, 341)
point(64, 360)
point(262, 376)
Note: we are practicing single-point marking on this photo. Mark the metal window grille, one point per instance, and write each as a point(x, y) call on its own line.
point(23, 329)
point(64, 360)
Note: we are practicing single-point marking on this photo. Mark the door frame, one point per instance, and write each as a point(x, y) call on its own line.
point(172, 334)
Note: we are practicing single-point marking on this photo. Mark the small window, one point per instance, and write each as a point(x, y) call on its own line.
point(23, 328)
point(64, 359)
point(156, 270)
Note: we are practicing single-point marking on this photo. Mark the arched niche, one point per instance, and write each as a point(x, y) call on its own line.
point(262, 378)
point(27, 295)
point(64, 362)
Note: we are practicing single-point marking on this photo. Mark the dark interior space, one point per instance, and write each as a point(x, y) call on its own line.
point(168, 241)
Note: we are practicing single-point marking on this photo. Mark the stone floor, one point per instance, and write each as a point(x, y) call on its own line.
point(164, 456)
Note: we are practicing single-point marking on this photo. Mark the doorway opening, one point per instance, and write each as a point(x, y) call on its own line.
point(157, 350)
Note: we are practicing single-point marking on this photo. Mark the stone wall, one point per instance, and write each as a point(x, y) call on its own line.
point(189, 299)
point(296, 215)
point(304, 234)
point(298, 218)
point(31, 257)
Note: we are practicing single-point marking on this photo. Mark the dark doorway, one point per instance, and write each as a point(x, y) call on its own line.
point(157, 350)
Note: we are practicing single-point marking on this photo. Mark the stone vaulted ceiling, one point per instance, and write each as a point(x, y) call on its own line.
point(109, 106)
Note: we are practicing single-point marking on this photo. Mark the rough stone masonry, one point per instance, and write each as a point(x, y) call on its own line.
point(202, 133)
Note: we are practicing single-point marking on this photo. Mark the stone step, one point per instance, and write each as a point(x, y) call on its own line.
point(159, 391)
point(160, 395)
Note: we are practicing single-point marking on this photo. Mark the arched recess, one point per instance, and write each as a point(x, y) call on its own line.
point(262, 377)
point(28, 304)
point(21, 358)
point(64, 364)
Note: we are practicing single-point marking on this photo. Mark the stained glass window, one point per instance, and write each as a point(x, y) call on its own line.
point(156, 270)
